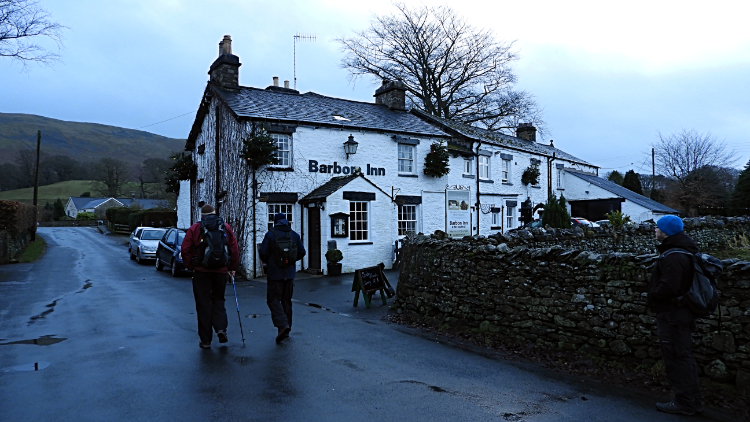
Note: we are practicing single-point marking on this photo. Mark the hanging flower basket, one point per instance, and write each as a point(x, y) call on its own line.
point(436, 161)
point(259, 150)
point(530, 175)
point(182, 169)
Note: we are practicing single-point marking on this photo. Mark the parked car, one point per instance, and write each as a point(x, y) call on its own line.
point(143, 242)
point(169, 252)
point(603, 223)
point(532, 224)
point(578, 221)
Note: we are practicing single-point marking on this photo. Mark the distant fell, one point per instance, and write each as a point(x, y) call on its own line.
point(82, 141)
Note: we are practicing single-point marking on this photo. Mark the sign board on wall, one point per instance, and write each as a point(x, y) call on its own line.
point(457, 213)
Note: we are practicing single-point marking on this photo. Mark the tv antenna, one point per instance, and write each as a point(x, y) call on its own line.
point(301, 37)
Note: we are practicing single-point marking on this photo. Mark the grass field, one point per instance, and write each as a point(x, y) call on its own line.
point(62, 190)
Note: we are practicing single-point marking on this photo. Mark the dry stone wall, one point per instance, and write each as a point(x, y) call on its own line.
point(564, 297)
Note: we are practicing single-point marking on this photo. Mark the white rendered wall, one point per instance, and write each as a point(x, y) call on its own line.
point(581, 190)
point(379, 150)
point(183, 205)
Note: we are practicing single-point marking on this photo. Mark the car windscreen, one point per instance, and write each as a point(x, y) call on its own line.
point(152, 234)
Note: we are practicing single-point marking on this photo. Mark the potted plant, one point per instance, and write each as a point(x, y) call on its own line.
point(333, 256)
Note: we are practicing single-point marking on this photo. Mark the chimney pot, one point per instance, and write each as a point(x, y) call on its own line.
point(275, 81)
point(286, 84)
point(227, 44)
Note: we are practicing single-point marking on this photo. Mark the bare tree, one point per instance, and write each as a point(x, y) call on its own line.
point(110, 176)
point(450, 69)
point(685, 157)
point(26, 162)
point(21, 23)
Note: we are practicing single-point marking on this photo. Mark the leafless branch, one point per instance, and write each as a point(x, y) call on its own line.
point(450, 68)
point(21, 23)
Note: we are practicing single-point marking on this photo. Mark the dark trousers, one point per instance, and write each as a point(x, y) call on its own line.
point(279, 300)
point(675, 336)
point(208, 289)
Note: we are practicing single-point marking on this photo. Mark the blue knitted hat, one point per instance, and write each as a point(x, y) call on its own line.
point(670, 224)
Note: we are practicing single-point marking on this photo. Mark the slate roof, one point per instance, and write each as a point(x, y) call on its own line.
point(622, 192)
point(86, 202)
point(318, 109)
point(496, 138)
point(326, 189)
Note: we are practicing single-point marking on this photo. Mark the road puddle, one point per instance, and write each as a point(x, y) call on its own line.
point(41, 341)
point(36, 366)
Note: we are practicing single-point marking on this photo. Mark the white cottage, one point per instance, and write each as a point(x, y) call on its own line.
point(363, 201)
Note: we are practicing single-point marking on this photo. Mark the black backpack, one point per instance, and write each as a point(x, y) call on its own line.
point(284, 249)
point(213, 252)
point(702, 298)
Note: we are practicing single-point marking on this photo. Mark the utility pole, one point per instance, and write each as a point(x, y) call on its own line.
point(301, 37)
point(653, 174)
point(36, 180)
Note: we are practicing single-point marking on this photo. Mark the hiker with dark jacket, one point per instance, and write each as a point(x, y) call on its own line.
point(209, 284)
point(280, 280)
point(671, 278)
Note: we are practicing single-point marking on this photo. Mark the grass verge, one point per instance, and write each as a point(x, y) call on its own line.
point(33, 250)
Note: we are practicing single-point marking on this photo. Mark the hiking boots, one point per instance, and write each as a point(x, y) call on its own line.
point(674, 409)
point(204, 345)
point(283, 333)
point(222, 335)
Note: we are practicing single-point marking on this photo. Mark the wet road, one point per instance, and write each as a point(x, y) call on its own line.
point(88, 335)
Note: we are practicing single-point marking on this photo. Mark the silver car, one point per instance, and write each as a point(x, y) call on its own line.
point(143, 243)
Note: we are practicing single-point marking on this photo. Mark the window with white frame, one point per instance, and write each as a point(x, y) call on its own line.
point(407, 219)
point(468, 167)
point(285, 209)
point(405, 158)
point(284, 149)
point(560, 179)
point(358, 220)
point(496, 218)
point(510, 217)
point(506, 171)
point(484, 167)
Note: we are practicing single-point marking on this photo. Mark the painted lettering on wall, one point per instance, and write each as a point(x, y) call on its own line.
point(335, 168)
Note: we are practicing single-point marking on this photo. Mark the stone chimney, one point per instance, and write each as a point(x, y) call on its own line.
point(225, 70)
point(276, 88)
point(526, 131)
point(391, 94)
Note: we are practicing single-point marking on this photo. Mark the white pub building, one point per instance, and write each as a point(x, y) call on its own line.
point(352, 173)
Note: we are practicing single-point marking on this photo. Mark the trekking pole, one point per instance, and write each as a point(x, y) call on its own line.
point(238, 311)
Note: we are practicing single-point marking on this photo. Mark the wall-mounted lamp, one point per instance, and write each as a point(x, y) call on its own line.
point(350, 146)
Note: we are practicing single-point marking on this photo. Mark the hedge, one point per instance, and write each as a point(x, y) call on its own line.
point(17, 218)
point(157, 217)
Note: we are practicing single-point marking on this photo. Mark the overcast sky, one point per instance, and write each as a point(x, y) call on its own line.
point(610, 78)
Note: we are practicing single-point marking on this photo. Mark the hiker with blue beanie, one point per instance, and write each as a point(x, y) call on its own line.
point(671, 278)
point(280, 250)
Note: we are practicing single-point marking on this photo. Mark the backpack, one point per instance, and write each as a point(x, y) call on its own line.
point(702, 298)
point(283, 249)
point(213, 252)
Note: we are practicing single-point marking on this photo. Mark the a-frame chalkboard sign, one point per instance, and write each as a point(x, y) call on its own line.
point(368, 280)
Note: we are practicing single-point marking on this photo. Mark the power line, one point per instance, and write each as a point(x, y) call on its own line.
point(176, 117)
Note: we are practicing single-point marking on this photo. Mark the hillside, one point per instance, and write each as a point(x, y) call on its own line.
point(83, 141)
point(62, 190)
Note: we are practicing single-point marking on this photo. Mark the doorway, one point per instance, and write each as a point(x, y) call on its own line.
point(313, 239)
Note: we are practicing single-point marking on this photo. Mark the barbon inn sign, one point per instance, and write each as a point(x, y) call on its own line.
point(335, 168)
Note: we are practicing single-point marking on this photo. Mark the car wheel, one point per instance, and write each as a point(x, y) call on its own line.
point(130, 251)
point(159, 265)
point(174, 271)
point(138, 258)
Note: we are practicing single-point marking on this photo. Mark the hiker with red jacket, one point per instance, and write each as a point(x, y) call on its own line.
point(671, 278)
point(210, 251)
point(280, 277)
